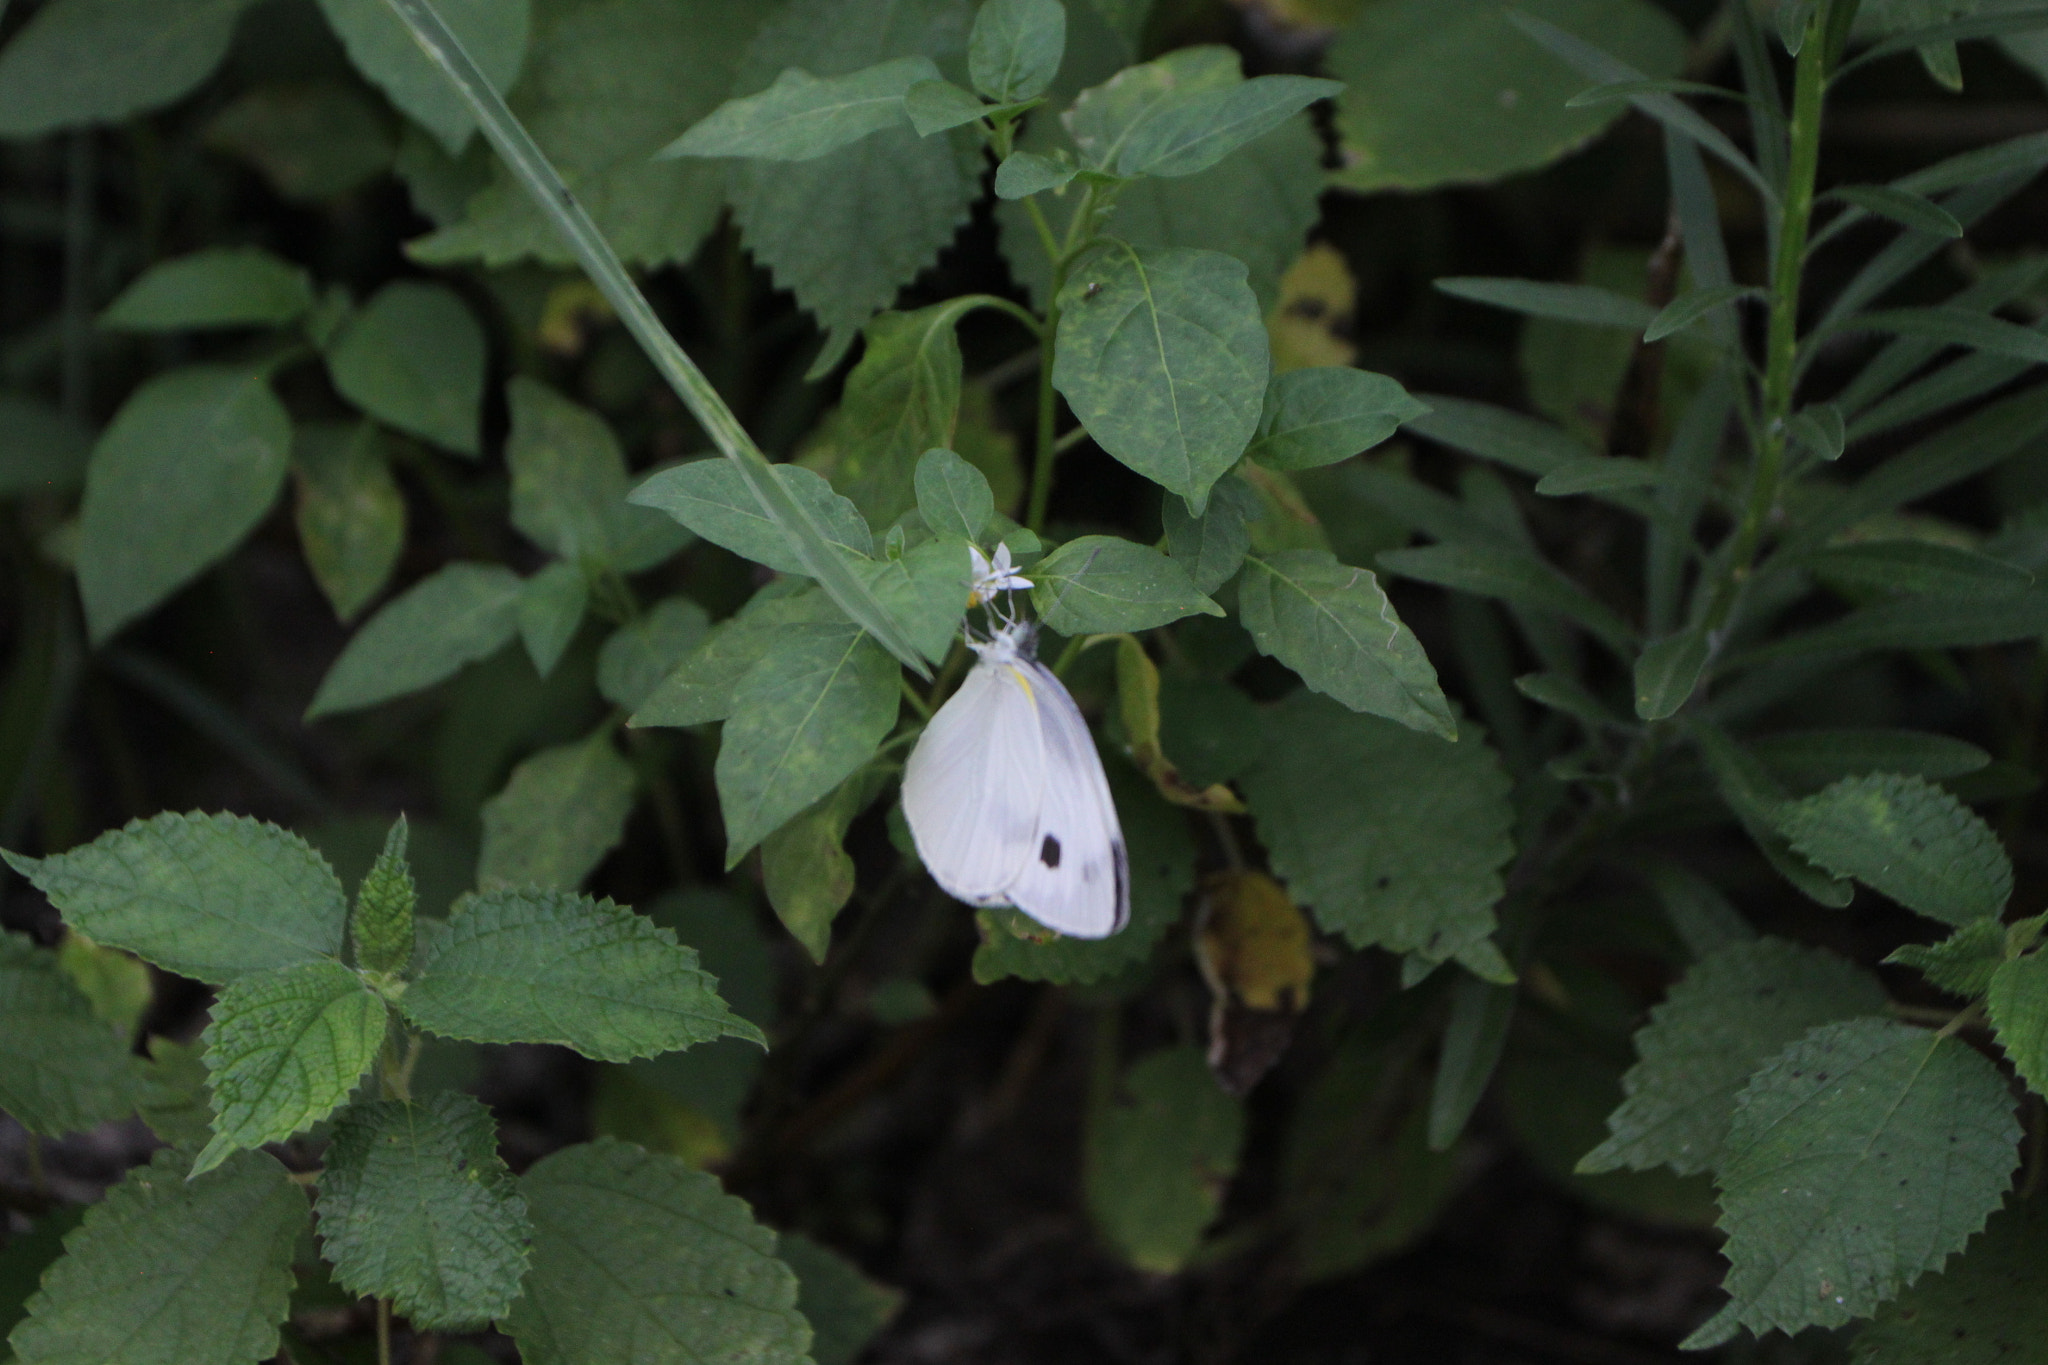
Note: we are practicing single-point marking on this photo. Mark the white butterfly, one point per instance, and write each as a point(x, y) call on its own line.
point(1005, 793)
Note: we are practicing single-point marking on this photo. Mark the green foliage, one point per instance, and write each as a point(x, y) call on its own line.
point(801, 118)
point(805, 870)
point(380, 927)
point(1981, 1309)
point(1962, 963)
point(226, 287)
point(1015, 49)
point(414, 357)
point(1907, 838)
point(1160, 1143)
point(41, 451)
point(569, 486)
point(844, 1307)
point(455, 616)
point(415, 1206)
point(640, 654)
point(494, 32)
point(2018, 1002)
point(550, 612)
point(536, 966)
point(953, 496)
point(563, 810)
point(171, 1270)
point(711, 497)
point(351, 515)
point(680, 1272)
point(64, 1069)
point(1327, 413)
point(100, 61)
point(901, 400)
point(1106, 584)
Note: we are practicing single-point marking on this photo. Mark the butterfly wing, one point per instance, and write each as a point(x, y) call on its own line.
point(971, 791)
point(1078, 877)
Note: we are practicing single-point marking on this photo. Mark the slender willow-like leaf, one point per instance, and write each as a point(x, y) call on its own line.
point(541, 181)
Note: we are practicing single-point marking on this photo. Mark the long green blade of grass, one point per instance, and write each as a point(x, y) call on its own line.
point(544, 184)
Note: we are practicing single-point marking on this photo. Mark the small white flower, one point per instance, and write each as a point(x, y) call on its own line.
point(993, 576)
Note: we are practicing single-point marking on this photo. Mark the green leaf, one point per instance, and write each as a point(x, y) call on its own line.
point(63, 1068)
point(1982, 1309)
point(1106, 584)
point(639, 1260)
point(1907, 838)
point(189, 465)
point(562, 810)
point(953, 496)
point(1025, 173)
point(213, 897)
point(1907, 209)
point(1474, 1038)
point(533, 966)
point(174, 1102)
point(1957, 327)
point(117, 986)
point(350, 514)
point(1161, 1149)
point(1753, 797)
point(1163, 356)
point(284, 1050)
point(1563, 693)
point(1211, 547)
point(641, 653)
point(78, 62)
point(168, 1270)
point(1193, 131)
point(1496, 434)
point(1334, 626)
point(41, 450)
point(569, 486)
point(1581, 303)
point(805, 869)
point(802, 117)
point(700, 689)
point(1597, 474)
point(2019, 1012)
point(1514, 576)
point(1667, 672)
point(417, 1207)
point(901, 400)
point(1732, 1011)
point(804, 716)
point(678, 64)
point(26, 1256)
point(1861, 1156)
point(550, 611)
point(925, 591)
point(1106, 117)
point(1929, 622)
point(1434, 97)
point(1689, 307)
point(1015, 48)
point(1394, 839)
point(1918, 566)
point(314, 141)
point(381, 925)
point(220, 287)
point(1327, 413)
point(712, 498)
point(414, 357)
point(844, 1307)
point(456, 616)
point(493, 32)
point(1964, 962)
point(934, 106)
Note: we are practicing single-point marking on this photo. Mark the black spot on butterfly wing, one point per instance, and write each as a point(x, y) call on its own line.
point(1049, 851)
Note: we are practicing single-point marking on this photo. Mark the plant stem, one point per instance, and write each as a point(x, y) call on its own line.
point(1079, 231)
point(383, 1332)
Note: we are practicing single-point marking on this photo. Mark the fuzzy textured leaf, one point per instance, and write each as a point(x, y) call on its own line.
point(901, 400)
point(802, 117)
point(1984, 1308)
point(2019, 1012)
point(63, 1068)
point(1015, 49)
point(1907, 838)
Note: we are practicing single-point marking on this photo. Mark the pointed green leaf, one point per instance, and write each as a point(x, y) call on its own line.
point(1667, 672)
point(1731, 1012)
point(901, 400)
point(1327, 413)
point(1807, 760)
point(550, 612)
point(284, 1050)
point(99, 61)
point(2019, 1012)
point(1964, 962)
point(639, 1260)
point(1163, 356)
point(925, 591)
point(1918, 566)
point(186, 469)
point(1334, 625)
point(1861, 1156)
point(805, 869)
point(350, 514)
point(380, 927)
point(1514, 576)
point(1496, 434)
point(561, 811)
point(537, 966)
point(457, 616)
point(953, 496)
point(569, 486)
point(1103, 584)
point(1907, 838)
point(1106, 117)
point(1957, 327)
point(220, 287)
point(712, 498)
point(1198, 129)
point(700, 688)
point(933, 106)
point(1474, 1039)
point(1984, 1308)
point(212, 897)
point(1907, 209)
point(414, 358)
point(314, 141)
point(63, 1068)
point(417, 1207)
point(1689, 307)
point(641, 653)
point(494, 32)
point(802, 117)
point(844, 1307)
point(170, 1270)
point(1211, 547)
point(1025, 173)
point(1921, 622)
point(1586, 304)
point(1754, 798)
point(1162, 1147)
point(1015, 48)
point(1597, 474)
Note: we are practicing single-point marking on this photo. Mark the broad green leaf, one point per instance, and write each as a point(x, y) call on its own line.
point(639, 1260)
point(314, 141)
point(41, 450)
point(802, 117)
point(1162, 1147)
point(1496, 434)
point(604, 87)
point(844, 1307)
point(350, 513)
point(1474, 1038)
point(925, 591)
point(1162, 858)
point(1163, 356)
point(63, 1068)
point(1394, 839)
point(117, 985)
point(1861, 1156)
point(493, 32)
point(550, 611)
point(1105, 584)
point(1334, 626)
point(1581, 303)
point(569, 486)
point(284, 1050)
point(174, 1102)
point(213, 897)
point(804, 716)
point(186, 469)
point(1193, 132)
point(1731, 1012)
point(1921, 622)
point(380, 925)
point(1106, 117)
point(1907, 838)
point(2019, 1012)
point(536, 966)
point(219, 287)
point(1597, 474)
point(171, 1270)
point(1907, 209)
point(953, 496)
point(414, 357)
point(462, 613)
point(1025, 173)
point(711, 497)
point(1211, 547)
point(1514, 576)
point(78, 62)
point(562, 810)
point(28, 1253)
point(1964, 963)
point(1326, 413)
point(417, 1207)
point(901, 400)
point(639, 654)
point(1436, 97)
point(1984, 1308)
point(700, 689)
point(1667, 672)
point(1957, 327)
point(1015, 48)
point(1918, 566)
point(933, 106)
point(805, 869)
